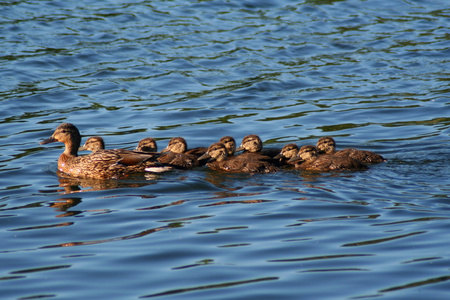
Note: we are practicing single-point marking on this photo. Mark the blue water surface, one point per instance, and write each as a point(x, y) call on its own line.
point(372, 74)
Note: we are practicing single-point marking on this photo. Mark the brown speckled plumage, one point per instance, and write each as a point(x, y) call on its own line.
point(327, 145)
point(177, 155)
point(308, 158)
point(220, 161)
point(101, 164)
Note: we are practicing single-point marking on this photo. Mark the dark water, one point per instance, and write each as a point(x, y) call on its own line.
point(373, 74)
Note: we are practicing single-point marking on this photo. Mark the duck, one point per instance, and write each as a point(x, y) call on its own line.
point(308, 158)
point(327, 145)
point(230, 144)
point(96, 143)
point(253, 149)
point(147, 145)
point(93, 144)
point(177, 155)
point(101, 164)
point(219, 160)
point(287, 152)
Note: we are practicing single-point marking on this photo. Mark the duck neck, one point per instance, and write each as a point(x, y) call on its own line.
point(72, 148)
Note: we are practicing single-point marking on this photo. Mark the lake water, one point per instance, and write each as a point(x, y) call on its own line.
point(372, 74)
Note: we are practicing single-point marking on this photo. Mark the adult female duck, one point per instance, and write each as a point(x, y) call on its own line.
point(101, 164)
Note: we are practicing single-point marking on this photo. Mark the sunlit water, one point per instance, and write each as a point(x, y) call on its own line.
point(373, 74)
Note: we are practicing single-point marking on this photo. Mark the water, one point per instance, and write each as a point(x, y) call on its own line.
point(372, 74)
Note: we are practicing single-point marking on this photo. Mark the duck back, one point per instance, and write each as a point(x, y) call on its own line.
point(326, 162)
point(179, 160)
point(243, 166)
point(361, 155)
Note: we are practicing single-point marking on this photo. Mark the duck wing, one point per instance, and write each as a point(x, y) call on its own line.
point(122, 156)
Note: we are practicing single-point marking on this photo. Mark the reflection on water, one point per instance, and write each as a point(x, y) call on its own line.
point(74, 185)
point(115, 239)
point(371, 74)
point(64, 204)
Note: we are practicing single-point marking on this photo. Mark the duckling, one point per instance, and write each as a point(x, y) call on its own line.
point(253, 149)
point(365, 156)
point(327, 145)
point(147, 145)
point(93, 144)
point(230, 144)
point(101, 164)
point(177, 155)
point(251, 143)
point(220, 161)
point(96, 143)
point(308, 158)
point(287, 152)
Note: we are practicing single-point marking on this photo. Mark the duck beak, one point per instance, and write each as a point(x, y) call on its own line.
point(48, 141)
point(295, 159)
point(82, 148)
point(240, 148)
point(164, 150)
point(204, 156)
point(279, 156)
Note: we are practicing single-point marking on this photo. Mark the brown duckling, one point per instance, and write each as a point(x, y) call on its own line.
point(251, 143)
point(177, 155)
point(93, 144)
point(147, 145)
point(100, 164)
point(287, 152)
point(220, 161)
point(253, 149)
point(327, 145)
point(179, 145)
point(308, 158)
point(96, 143)
point(230, 144)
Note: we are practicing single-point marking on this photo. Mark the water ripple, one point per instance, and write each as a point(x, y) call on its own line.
point(372, 75)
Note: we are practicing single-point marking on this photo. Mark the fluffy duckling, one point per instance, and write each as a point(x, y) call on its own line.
point(327, 145)
point(253, 149)
point(220, 161)
point(251, 143)
point(287, 152)
point(308, 158)
point(96, 143)
point(177, 155)
point(147, 145)
point(93, 144)
point(230, 144)
point(101, 164)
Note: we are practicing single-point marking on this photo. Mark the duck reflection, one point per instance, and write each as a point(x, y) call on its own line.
point(64, 204)
point(143, 233)
point(75, 185)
